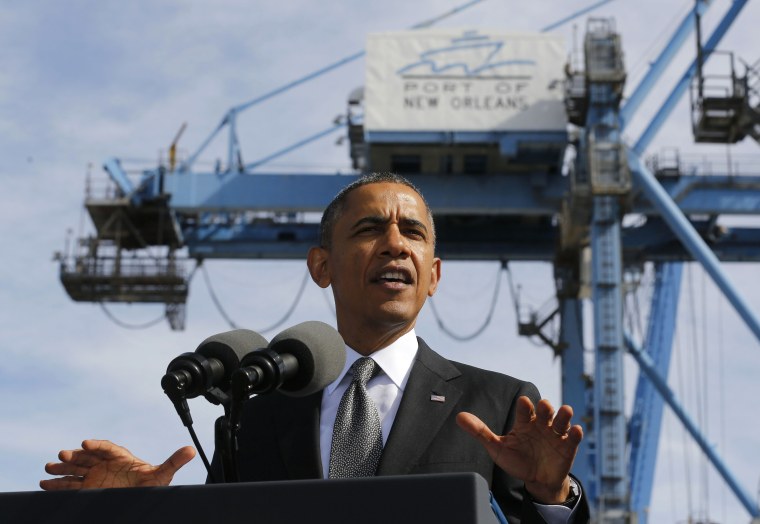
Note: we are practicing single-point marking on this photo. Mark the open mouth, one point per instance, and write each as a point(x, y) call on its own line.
point(393, 276)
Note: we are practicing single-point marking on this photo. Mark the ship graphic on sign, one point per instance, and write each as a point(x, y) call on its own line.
point(471, 56)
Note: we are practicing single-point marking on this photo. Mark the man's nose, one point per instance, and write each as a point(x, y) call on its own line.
point(396, 244)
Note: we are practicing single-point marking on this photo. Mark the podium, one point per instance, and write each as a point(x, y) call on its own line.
point(440, 498)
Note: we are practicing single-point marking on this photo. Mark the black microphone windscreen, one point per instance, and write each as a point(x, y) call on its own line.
point(321, 355)
point(230, 347)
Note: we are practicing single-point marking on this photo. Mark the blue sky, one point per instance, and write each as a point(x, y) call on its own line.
point(83, 81)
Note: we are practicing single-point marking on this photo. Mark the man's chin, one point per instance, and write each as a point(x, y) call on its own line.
point(394, 314)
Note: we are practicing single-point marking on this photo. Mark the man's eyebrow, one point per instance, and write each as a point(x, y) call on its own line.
point(378, 220)
point(413, 222)
point(371, 220)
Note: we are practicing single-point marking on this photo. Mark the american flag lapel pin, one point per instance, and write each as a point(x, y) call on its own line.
point(435, 397)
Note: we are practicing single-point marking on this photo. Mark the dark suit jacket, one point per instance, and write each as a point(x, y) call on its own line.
point(279, 438)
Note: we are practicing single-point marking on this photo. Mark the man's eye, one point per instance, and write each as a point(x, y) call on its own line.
point(416, 233)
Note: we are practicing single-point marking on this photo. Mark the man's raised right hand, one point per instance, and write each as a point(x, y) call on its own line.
point(103, 464)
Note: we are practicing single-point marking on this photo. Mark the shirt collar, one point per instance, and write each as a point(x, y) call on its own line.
point(395, 360)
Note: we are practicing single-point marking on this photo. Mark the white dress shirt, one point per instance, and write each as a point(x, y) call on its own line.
point(386, 390)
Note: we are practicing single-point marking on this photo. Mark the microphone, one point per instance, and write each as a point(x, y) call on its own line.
point(299, 361)
point(209, 369)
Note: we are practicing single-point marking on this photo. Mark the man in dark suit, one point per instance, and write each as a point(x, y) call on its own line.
point(277, 435)
point(377, 252)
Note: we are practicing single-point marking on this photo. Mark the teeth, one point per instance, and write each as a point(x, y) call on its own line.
point(393, 275)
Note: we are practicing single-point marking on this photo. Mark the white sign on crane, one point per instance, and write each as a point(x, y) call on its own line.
point(441, 80)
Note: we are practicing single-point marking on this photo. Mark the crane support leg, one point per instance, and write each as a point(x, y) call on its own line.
point(648, 366)
point(575, 383)
point(644, 427)
point(609, 416)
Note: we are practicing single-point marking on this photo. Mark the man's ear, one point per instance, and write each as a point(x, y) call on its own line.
point(317, 262)
point(435, 276)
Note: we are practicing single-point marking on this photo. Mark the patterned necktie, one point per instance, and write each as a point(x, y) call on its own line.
point(357, 441)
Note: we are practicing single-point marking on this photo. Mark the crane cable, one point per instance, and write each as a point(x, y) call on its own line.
point(292, 308)
point(234, 325)
point(126, 325)
point(215, 299)
point(489, 315)
point(685, 442)
point(699, 383)
point(514, 292)
point(722, 395)
point(705, 391)
point(646, 58)
point(636, 291)
point(144, 325)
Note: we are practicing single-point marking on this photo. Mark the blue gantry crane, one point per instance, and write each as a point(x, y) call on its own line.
point(538, 190)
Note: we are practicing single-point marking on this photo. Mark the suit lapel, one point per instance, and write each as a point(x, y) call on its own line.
point(419, 418)
point(298, 436)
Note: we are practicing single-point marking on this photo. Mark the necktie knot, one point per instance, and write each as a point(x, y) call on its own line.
point(363, 370)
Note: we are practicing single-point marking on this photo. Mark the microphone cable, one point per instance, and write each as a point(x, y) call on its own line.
point(198, 446)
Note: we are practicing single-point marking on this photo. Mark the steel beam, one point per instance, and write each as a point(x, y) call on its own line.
point(691, 240)
point(658, 66)
point(648, 366)
point(707, 195)
point(526, 194)
point(535, 193)
point(644, 427)
point(675, 95)
point(112, 166)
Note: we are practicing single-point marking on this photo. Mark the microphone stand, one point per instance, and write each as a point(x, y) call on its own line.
point(228, 427)
point(224, 442)
point(262, 372)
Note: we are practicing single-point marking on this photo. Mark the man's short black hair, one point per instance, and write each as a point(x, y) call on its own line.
point(334, 210)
